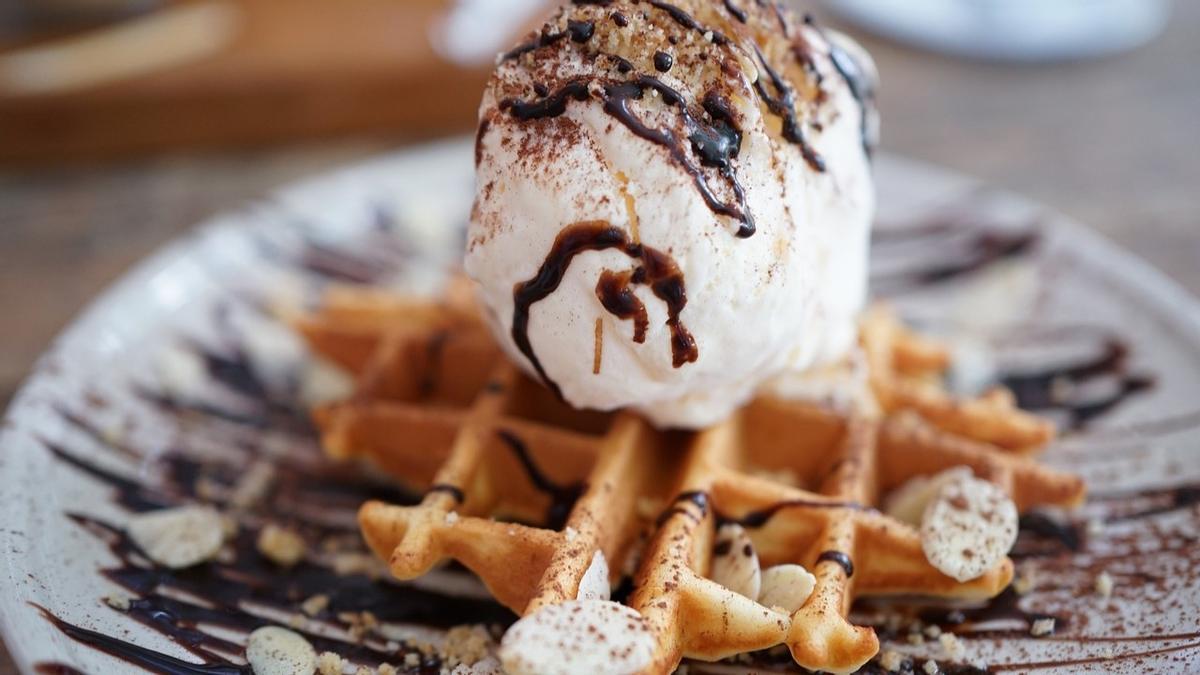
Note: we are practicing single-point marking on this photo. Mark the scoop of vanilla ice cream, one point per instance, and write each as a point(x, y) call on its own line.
point(674, 203)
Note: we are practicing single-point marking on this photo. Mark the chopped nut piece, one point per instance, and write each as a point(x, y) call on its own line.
point(1042, 627)
point(178, 537)
point(915, 639)
point(950, 643)
point(329, 663)
point(931, 667)
point(315, 605)
point(1104, 585)
point(117, 601)
point(281, 546)
point(933, 631)
point(272, 650)
point(891, 661)
point(386, 669)
point(735, 563)
point(253, 485)
point(466, 645)
point(786, 586)
point(412, 659)
point(488, 666)
point(1023, 584)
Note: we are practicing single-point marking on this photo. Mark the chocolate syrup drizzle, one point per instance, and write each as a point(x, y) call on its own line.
point(838, 558)
point(688, 21)
point(697, 498)
point(783, 105)
point(862, 86)
point(618, 299)
point(224, 586)
point(761, 517)
point(563, 497)
point(657, 270)
point(964, 250)
point(1043, 389)
point(579, 32)
point(716, 143)
point(735, 11)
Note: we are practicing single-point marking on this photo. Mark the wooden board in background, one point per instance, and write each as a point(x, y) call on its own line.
point(293, 70)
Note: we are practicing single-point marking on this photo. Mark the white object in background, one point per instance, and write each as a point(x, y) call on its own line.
point(474, 31)
point(145, 45)
point(1013, 30)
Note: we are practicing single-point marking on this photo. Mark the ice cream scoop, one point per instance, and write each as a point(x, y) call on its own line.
point(673, 202)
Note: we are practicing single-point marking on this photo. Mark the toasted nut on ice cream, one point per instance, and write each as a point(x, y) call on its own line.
point(272, 650)
point(786, 586)
point(968, 528)
point(735, 564)
point(907, 503)
point(178, 537)
point(578, 636)
point(594, 584)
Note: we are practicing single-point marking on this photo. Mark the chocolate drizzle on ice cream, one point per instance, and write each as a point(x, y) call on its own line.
point(657, 270)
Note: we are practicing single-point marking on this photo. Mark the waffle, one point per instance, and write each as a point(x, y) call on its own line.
point(524, 490)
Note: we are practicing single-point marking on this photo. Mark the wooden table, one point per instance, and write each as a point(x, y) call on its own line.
point(1115, 143)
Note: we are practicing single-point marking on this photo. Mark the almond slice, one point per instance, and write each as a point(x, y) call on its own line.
point(968, 528)
point(272, 650)
point(578, 636)
point(735, 563)
point(594, 584)
point(907, 503)
point(786, 586)
point(179, 537)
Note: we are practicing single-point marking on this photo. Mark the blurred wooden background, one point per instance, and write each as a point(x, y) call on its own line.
point(1114, 143)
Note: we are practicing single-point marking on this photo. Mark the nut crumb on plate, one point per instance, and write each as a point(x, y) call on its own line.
point(272, 650)
point(329, 663)
point(178, 537)
point(280, 545)
point(1042, 627)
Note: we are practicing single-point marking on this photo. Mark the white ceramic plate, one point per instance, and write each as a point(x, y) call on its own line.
point(174, 383)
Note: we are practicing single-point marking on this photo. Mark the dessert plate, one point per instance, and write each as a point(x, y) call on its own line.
point(178, 386)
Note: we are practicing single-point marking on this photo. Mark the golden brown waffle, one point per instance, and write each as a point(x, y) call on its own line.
point(905, 374)
point(440, 408)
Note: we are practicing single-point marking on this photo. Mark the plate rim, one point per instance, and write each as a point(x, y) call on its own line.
point(1168, 297)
